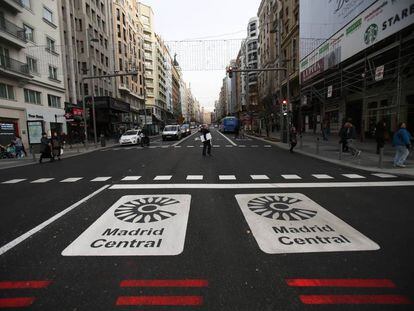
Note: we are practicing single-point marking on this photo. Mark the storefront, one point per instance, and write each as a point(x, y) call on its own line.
point(53, 118)
point(12, 122)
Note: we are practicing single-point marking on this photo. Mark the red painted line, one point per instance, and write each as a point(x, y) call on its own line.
point(340, 283)
point(354, 299)
point(24, 284)
point(16, 302)
point(159, 301)
point(164, 283)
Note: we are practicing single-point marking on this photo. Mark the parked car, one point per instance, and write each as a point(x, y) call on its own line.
point(131, 137)
point(185, 129)
point(172, 132)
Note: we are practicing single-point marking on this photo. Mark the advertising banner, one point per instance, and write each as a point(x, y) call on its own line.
point(379, 21)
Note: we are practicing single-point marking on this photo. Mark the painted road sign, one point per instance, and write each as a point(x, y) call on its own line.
point(137, 225)
point(293, 223)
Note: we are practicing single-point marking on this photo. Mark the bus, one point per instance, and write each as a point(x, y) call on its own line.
point(228, 124)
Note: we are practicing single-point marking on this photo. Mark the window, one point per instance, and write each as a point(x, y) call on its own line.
point(6, 91)
point(53, 101)
point(47, 15)
point(85, 89)
point(26, 3)
point(28, 32)
point(52, 73)
point(32, 97)
point(32, 64)
point(50, 45)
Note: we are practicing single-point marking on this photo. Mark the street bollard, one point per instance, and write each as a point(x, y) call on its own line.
point(301, 141)
point(317, 145)
point(340, 151)
point(381, 158)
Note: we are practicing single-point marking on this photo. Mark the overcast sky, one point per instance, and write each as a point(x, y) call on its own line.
point(188, 19)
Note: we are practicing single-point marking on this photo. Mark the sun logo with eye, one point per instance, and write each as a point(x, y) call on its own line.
point(280, 208)
point(145, 210)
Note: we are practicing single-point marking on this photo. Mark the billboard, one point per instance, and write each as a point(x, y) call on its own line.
point(381, 20)
point(320, 19)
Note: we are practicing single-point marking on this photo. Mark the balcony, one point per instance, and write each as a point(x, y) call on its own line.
point(14, 6)
point(12, 34)
point(124, 88)
point(14, 68)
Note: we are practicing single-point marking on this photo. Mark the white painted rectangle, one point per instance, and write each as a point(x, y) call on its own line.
point(293, 223)
point(101, 179)
point(41, 180)
point(131, 178)
point(13, 181)
point(259, 177)
point(137, 225)
point(227, 177)
point(291, 177)
point(163, 177)
point(72, 179)
point(268, 146)
point(322, 176)
point(353, 176)
point(195, 177)
point(384, 175)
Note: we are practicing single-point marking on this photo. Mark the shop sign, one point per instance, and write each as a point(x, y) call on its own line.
point(293, 223)
point(313, 70)
point(379, 73)
point(78, 112)
point(137, 225)
point(330, 89)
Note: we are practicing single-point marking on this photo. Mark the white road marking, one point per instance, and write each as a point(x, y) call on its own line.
point(206, 186)
point(384, 175)
point(229, 146)
point(177, 146)
point(13, 181)
point(291, 177)
point(153, 147)
point(183, 140)
point(229, 140)
point(72, 179)
point(195, 177)
point(41, 180)
point(216, 146)
point(163, 177)
point(5, 248)
point(131, 178)
point(267, 146)
point(353, 176)
point(190, 146)
point(242, 146)
point(227, 177)
point(101, 179)
point(165, 147)
point(259, 177)
point(322, 176)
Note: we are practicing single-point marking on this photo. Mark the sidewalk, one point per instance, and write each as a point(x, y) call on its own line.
point(329, 151)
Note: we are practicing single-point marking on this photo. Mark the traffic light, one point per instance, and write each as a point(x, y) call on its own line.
point(285, 108)
point(230, 71)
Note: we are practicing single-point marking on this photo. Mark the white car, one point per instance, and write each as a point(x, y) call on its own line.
point(172, 132)
point(131, 137)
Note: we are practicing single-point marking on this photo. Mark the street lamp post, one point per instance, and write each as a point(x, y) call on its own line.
point(93, 93)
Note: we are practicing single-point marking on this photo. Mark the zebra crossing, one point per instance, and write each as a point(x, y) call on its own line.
point(220, 177)
point(188, 147)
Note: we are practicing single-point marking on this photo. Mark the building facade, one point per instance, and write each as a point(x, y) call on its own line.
point(32, 82)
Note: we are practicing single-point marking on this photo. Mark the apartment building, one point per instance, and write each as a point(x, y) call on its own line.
point(31, 75)
point(252, 62)
point(176, 92)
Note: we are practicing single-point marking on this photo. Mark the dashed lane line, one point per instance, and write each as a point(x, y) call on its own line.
point(101, 179)
point(384, 175)
point(71, 180)
point(227, 177)
point(322, 176)
point(41, 180)
point(183, 140)
point(163, 177)
point(131, 178)
point(13, 181)
point(259, 177)
point(291, 177)
point(195, 177)
point(353, 176)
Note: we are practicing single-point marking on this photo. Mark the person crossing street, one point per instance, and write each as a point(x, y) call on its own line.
point(206, 139)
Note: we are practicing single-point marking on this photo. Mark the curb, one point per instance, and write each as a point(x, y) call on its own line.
point(337, 162)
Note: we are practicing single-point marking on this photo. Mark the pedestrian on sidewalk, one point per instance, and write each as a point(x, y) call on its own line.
point(45, 148)
point(206, 138)
point(325, 129)
point(348, 137)
point(20, 151)
point(380, 134)
point(57, 145)
point(402, 143)
point(293, 138)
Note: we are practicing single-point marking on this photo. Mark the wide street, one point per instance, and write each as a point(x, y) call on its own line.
point(251, 228)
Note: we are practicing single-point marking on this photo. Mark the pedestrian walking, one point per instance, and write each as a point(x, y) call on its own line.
point(325, 129)
point(402, 143)
point(380, 133)
point(45, 148)
point(348, 137)
point(206, 139)
point(293, 138)
point(57, 145)
point(18, 143)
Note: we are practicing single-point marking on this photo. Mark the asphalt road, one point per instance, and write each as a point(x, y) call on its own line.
point(219, 232)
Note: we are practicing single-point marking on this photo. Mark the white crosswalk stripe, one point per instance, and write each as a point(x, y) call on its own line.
point(216, 146)
point(227, 177)
point(322, 176)
point(163, 177)
point(190, 146)
point(41, 180)
point(229, 146)
point(267, 146)
point(291, 177)
point(259, 177)
point(195, 177)
point(353, 176)
point(101, 179)
point(131, 178)
point(384, 175)
point(71, 180)
point(13, 181)
point(254, 146)
point(177, 146)
point(242, 146)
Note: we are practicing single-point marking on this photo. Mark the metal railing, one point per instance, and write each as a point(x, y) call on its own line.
point(13, 65)
point(12, 29)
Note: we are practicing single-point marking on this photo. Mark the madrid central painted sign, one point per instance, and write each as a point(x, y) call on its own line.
point(293, 223)
point(138, 225)
point(381, 20)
